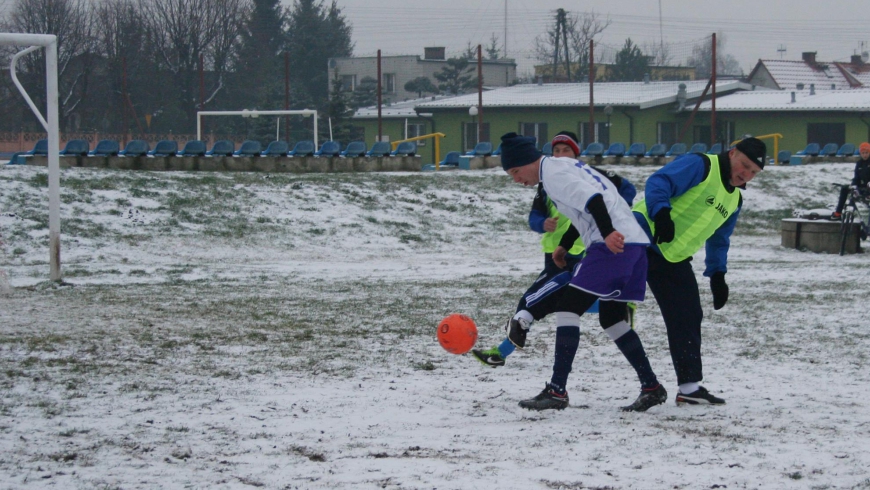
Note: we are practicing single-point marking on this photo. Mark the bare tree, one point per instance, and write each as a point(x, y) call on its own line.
point(183, 30)
point(70, 20)
point(659, 53)
point(580, 29)
point(702, 55)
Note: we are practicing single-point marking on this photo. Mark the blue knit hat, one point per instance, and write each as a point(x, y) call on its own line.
point(517, 151)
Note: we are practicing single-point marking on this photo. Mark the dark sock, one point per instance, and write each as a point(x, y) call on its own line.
point(632, 348)
point(567, 340)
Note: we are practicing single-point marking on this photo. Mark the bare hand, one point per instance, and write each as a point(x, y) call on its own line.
point(615, 242)
point(559, 257)
point(550, 224)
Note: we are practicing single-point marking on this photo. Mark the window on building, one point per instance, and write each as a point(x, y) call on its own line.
point(469, 135)
point(725, 134)
point(389, 83)
point(666, 133)
point(348, 83)
point(538, 130)
point(601, 134)
point(824, 133)
point(415, 130)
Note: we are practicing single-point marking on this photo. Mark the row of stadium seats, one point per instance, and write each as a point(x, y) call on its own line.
point(249, 148)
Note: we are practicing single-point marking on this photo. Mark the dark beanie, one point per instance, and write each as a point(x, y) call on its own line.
point(517, 151)
point(755, 149)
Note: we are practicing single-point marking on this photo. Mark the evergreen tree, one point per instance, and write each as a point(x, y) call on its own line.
point(456, 77)
point(259, 58)
point(366, 93)
point(630, 64)
point(421, 85)
point(315, 34)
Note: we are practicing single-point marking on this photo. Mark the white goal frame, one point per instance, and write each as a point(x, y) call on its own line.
point(255, 113)
point(51, 125)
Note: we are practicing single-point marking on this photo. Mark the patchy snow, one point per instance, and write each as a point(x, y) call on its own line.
point(278, 331)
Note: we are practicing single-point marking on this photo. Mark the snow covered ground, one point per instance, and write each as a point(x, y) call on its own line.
point(278, 331)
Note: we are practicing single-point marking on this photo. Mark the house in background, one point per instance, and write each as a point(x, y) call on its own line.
point(801, 116)
point(801, 75)
point(396, 71)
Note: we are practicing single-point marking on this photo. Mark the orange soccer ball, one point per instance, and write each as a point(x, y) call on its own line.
point(457, 333)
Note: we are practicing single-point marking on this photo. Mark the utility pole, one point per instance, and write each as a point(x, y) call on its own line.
point(565, 43)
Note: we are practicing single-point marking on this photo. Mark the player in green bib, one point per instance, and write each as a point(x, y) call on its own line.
point(690, 203)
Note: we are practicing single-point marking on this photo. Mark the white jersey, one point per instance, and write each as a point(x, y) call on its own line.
point(570, 184)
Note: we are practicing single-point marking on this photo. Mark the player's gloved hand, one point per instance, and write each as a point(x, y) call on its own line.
point(719, 289)
point(664, 226)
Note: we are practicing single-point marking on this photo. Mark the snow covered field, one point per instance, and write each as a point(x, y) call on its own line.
point(278, 331)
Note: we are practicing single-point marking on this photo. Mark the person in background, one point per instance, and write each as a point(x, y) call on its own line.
point(690, 203)
point(860, 180)
point(544, 218)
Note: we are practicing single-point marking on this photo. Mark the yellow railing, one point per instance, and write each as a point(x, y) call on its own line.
point(776, 137)
point(436, 136)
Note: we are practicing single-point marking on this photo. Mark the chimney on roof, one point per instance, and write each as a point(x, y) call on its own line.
point(646, 78)
point(833, 86)
point(809, 57)
point(812, 89)
point(856, 60)
point(540, 80)
point(436, 53)
point(793, 100)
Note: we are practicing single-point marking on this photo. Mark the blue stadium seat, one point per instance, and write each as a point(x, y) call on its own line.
point(249, 148)
point(193, 148)
point(304, 148)
point(354, 149)
point(812, 150)
point(715, 149)
point(40, 148)
point(451, 159)
point(135, 148)
point(164, 148)
point(547, 149)
point(676, 150)
point(698, 148)
point(328, 149)
point(594, 149)
point(657, 150)
point(636, 150)
point(497, 151)
point(222, 148)
point(783, 156)
point(276, 149)
point(829, 150)
point(846, 150)
point(405, 148)
point(482, 149)
point(78, 148)
point(379, 149)
point(106, 148)
point(615, 150)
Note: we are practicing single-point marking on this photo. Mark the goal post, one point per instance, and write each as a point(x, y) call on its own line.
point(255, 113)
point(51, 125)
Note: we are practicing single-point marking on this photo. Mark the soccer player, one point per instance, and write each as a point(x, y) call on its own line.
point(690, 203)
point(544, 218)
point(613, 270)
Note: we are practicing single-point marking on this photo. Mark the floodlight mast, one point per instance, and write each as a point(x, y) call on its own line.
point(51, 125)
point(255, 113)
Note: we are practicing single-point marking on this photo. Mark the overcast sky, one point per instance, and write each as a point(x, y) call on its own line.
point(753, 29)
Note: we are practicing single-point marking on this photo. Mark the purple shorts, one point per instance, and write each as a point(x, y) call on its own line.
point(610, 276)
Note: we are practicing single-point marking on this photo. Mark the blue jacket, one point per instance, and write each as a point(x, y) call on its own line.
point(674, 180)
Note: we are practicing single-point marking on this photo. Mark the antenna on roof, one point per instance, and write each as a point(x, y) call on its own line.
point(781, 50)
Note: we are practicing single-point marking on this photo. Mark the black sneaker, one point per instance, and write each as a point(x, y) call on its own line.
point(549, 399)
point(516, 332)
point(648, 399)
point(490, 357)
point(700, 397)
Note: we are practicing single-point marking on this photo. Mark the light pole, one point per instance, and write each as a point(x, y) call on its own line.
point(608, 111)
point(472, 111)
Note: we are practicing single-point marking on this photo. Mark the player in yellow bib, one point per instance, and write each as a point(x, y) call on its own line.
point(690, 203)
